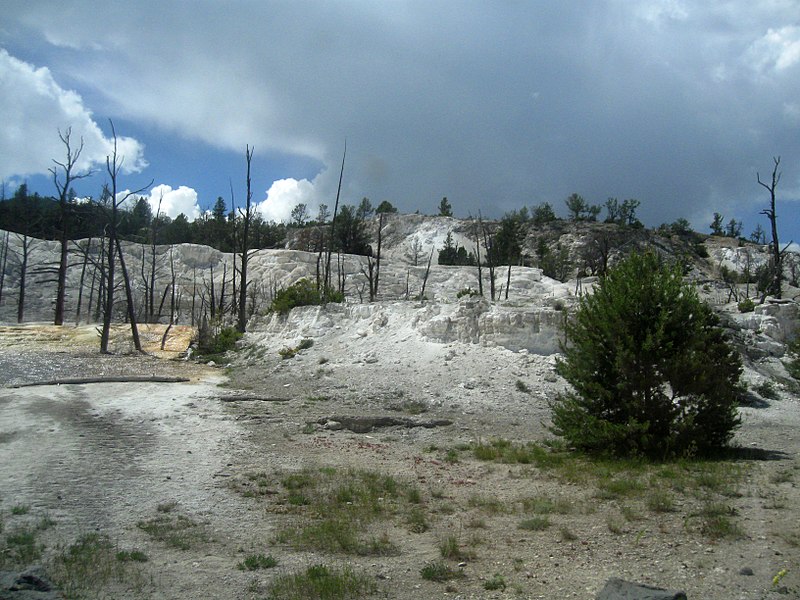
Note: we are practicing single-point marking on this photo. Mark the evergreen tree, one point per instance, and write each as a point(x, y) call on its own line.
point(385, 207)
point(651, 372)
point(445, 208)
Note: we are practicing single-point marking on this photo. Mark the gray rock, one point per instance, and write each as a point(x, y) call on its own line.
point(31, 584)
point(617, 589)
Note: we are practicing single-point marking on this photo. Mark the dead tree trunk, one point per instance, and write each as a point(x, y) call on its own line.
point(488, 242)
point(247, 217)
point(26, 242)
point(63, 188)
point(3, 263)
point(777, 254)
point(425, 278)
point(327, 273)
point(129, 298)
point(113, 165)
point(85, 252)
point(478, 257)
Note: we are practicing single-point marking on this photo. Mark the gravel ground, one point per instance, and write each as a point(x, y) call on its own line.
point(105, 457)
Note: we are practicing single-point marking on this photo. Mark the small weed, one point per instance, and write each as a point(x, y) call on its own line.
point(131, 556)
point(315, 399)
point(767, 390)
point(20, 509)
point(21, 546)
point(417, 521)
point(614, 524)
point(413, 495)
point(614, 488)
point(305, 344)
point(176, 531)
point(522, 387)
point(451, 456)
point(167, 507)
point(660, 501)
point(567, 534)
point(535, 524)
point(286, 353)
point(440, 571)
point(437, 492)
point(716, 523)
point(450, 548)
point(254, 562)
point(476, 523)
point(544, 505)
point(320, 582)
point(782, 476)
point(489, 505)
point(497, 582)
point(45, 523)
point(629, 513)
point(413, 407)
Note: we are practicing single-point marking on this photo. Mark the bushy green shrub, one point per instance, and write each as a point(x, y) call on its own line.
point(215, 341)
point(303, 292)
point(467, 292)
point(651, 372)
point(747, 305)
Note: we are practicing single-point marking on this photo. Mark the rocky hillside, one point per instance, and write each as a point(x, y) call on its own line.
point(528, 310)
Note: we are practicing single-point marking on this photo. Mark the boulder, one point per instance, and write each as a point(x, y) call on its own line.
point(618, 589)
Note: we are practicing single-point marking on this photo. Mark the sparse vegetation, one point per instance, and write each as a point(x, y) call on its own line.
point(175, 530)
point(535, 524)
point(255, 562)
point(495, 582)
point(303, 292)
point(93, 562)
point(321, 582)
point(440, 571)
point(214, 342)
point(336, 510)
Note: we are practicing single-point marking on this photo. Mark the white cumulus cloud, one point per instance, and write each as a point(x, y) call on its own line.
point(284, 194)
point(173, 202)
point(777, 50)
point(35, 108)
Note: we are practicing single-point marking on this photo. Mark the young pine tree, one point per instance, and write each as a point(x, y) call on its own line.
point(651, 372)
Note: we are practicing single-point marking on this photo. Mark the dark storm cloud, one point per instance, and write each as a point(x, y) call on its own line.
point(495, 105)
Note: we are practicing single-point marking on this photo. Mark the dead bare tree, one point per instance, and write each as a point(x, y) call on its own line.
point(149, 278)
point(415, 252)
point(425, 278)
point(777, 253)
point(244, 250)
point(63, 187)
point(327, 270)
point(488, 243)
point(3, 263)
point(477, 231)
point(22, 257)
point(113, 166)
point(84, 265)
point(372, 270)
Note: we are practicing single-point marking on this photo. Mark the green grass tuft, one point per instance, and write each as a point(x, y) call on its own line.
point(320, 582)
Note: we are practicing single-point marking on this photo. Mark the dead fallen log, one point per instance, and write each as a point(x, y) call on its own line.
point(367, 424)
point(242, 398)
point(108, 379)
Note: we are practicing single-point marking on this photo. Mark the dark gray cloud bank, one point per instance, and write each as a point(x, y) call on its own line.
point(493, 104)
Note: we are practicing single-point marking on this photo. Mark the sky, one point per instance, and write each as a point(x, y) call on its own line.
point(494, 104)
